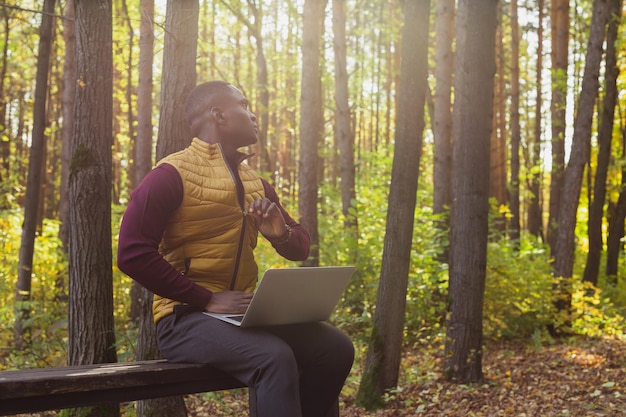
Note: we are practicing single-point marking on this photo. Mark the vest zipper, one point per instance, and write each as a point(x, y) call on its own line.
point(239, 249)
point(241, 200)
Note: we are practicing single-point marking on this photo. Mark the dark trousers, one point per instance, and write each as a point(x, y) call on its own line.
point(291, 371)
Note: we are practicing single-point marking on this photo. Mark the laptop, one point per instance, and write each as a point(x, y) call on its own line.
point(293, 295)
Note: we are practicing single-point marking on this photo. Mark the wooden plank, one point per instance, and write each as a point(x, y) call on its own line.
point(55, 388)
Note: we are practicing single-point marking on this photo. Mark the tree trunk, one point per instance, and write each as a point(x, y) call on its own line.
point(343, 130)
point(474, 87)
point(67, 128)
point(5, 146)
point(33, 185)
point(535, 217)
point(130, 112)
point(442, 123)
point(514, 189)
point(564, 242)
point(382, 363)
point(311, 121)
point(559, 18)
point(256, 30)
point(143, 142)
point(605, 136)
point(147, 349)
point(178, 79)
point(90, 329)
point(442, 120)
point(498, 171)
point(614, 243)
point(179, 74)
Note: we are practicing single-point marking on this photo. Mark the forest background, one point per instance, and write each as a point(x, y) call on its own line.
point(531, 287)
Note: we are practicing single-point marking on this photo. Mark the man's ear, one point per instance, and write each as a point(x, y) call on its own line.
point(217, 113)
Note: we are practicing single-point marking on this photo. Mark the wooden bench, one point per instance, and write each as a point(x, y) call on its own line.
point(33, 390)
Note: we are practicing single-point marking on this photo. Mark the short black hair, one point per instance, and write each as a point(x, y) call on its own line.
point(203, 97)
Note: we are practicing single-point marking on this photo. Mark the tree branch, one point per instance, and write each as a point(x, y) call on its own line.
point(9, 6)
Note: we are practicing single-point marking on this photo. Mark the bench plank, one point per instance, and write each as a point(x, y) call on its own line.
point(33, 390)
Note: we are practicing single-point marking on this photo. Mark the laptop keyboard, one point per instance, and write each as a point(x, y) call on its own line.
point(236, 318)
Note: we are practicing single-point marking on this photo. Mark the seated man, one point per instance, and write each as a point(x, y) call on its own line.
point(188, 236)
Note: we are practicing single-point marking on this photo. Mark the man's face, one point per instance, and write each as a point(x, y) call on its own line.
point(239, 125)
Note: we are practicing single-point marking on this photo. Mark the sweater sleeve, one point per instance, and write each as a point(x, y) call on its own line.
point(299, 243)
point(151, 205)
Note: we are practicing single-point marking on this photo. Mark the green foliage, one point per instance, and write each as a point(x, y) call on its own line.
point(47, 303)
point(427, 275)
point(598, 312)
point(518, 289)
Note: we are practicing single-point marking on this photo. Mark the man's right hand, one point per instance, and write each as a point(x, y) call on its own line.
point(229, 302)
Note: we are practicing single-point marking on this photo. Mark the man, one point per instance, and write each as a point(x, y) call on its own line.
point(188, 236)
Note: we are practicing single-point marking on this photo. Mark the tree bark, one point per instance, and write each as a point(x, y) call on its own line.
point(559, 22)
point(343, 130)
point(614, 243)
point(474, 87)
point(564, 243)
point(33, 185)
point(311, 121)
point(442, 123)
point(382, 363)
point(605, 137)
point(130, 108)
point(143, 141)
point(91, 331)
point(255, 28)
point(5, 146)
point(67, 128)
point(178, 79)
point(179, 74)
point(535, 217)
point(516, 135)
point(498, 174)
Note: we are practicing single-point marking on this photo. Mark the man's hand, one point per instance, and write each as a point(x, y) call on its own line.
point(229, 302)
point(268, 217)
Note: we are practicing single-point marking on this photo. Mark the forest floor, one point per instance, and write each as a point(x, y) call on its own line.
point(580, 377)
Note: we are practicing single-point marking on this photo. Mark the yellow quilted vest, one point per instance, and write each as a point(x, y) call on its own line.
point(209, 238)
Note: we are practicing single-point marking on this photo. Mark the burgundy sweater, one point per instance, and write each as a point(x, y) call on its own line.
point(151, 205)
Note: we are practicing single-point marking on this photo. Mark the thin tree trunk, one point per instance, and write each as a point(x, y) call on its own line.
point(605, 137)
point(564, 243)
point(143, 142)
point(535, 218)
point(67, 128)
point(382, 364)
point(311, 121)
point(474, 87)
point(33, 185)
point(614, 243)
point(256, 30)
point(179, 74)
point(559, 20)
point(178, 79)
point(5, 146)
point(343, 130)
point(514, 188)
point(497, 177)
point(130, 108)
point(442, 126)
point(442, 120)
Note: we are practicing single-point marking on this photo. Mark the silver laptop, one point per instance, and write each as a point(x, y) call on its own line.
point(293, 295)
